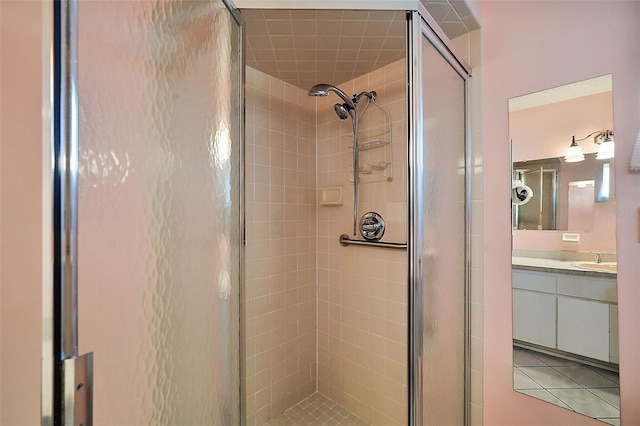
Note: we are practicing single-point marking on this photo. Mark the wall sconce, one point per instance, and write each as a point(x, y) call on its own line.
point(607, 147)
point(574, 152)
point(602, 138)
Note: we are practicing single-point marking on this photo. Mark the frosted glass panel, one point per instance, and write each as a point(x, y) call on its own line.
point(159, 210)
point(443, 240)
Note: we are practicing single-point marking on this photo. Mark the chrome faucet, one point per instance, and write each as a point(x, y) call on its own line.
point(598, 258)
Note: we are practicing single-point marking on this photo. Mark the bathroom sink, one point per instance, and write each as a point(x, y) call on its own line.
point(601, 267)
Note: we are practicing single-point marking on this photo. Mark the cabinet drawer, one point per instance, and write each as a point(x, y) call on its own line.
point(534, 281)
point(602, 289)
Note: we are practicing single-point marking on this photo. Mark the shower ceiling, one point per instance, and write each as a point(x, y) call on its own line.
point(305, 47)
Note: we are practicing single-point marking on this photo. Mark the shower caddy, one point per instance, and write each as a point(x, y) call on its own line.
point(377, 135)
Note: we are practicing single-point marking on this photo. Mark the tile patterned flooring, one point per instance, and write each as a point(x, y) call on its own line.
point(584, 389)
point(317, 410)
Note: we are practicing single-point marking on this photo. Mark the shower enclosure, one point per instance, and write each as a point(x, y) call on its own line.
point(198, 277)
point(379, 330)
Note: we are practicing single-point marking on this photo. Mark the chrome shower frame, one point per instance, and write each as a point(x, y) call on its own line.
point(421, 24)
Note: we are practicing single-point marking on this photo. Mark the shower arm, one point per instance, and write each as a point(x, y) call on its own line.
point(371, 96)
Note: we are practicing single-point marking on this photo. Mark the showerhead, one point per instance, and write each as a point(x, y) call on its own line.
point(324, 89)
point(342, 110)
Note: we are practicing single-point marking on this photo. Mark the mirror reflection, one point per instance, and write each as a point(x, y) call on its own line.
point(559, 195)
point(564, 291)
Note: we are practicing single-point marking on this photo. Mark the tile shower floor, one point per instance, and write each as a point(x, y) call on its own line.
point(587, 390)
point(317, 410)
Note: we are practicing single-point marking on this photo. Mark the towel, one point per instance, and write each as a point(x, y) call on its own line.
point(634, 164)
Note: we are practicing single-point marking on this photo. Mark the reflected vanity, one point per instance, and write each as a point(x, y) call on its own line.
point(564, 292)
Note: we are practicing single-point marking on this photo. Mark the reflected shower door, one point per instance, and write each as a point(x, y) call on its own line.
point(159, 184)
point(438, 253)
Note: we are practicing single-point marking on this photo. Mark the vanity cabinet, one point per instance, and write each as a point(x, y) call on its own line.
point(571, 313)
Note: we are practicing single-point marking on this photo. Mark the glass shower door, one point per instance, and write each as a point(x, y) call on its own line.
point(438, 228)
point(159, 210)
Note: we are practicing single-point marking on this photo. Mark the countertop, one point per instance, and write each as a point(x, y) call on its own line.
point(557, 266)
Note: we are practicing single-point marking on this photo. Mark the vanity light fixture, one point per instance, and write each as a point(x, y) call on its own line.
point(574, 152)
point(602, 138)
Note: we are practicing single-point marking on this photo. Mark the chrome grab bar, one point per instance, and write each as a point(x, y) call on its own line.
point(345, 241)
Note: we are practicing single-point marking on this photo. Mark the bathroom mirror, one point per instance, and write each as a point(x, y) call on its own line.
point(541, 127)
point(564, 286)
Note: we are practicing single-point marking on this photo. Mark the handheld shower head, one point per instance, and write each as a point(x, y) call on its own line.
point(342, 110)
point(324, 89)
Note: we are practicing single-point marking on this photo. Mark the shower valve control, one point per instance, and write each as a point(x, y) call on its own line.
point(372, 226)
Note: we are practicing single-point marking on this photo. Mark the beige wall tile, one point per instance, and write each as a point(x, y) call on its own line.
point(280, 271)
point(366, 284)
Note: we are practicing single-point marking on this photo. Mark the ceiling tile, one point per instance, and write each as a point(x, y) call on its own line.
point(259, 43)
point(381, 15)
point(326, 55)
point(306, 65)
point(377, 28)
point(282, 42)
point(439, 10)
point(305, 27)
point(349, 43)
point(352, 28)
point(279, 27)
point(373, 42)
point(329, 28)
point(355, 15)
point(325, 42)
point(285, 54)
point(329, 15)
point(283, 14)
point(287, 65)
point(367, 55)
point(305, 42)
point(303, 47)
point(454, 28)
point(306, 14)
point(347, 55)
point(393, 43)
point(263, 55)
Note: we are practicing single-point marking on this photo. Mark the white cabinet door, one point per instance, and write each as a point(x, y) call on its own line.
point(534, 317)
point(583, 327)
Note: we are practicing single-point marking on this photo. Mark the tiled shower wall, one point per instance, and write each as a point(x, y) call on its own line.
point(362, 306)
point(280, 246)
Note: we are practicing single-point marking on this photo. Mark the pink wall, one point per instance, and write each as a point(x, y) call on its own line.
point(530, 46)
point(20, 223)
